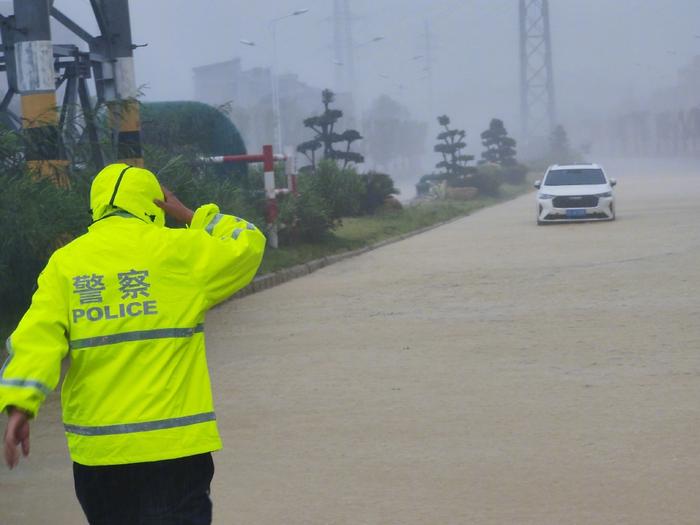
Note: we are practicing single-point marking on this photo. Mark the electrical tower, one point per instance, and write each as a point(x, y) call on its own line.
point(537, 107)
point(36, 68)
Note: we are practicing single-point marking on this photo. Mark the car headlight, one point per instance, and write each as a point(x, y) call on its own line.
point(606, 194)
point(545, 196)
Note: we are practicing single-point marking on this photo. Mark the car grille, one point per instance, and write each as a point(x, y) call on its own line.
point(576, 201)
point(555, 217)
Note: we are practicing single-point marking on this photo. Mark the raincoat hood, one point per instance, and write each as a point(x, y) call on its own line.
point(128, 188)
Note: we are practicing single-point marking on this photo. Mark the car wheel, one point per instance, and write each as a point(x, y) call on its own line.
point(612, 211)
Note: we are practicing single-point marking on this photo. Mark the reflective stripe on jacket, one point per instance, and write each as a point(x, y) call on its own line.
point(127, 301)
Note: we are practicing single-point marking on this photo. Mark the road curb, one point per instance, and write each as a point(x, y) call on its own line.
point(270, 280)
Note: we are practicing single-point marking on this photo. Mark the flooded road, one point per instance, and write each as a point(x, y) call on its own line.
point(489, 371)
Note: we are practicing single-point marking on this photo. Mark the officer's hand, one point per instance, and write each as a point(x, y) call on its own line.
point(16, 433)
point(173, 207)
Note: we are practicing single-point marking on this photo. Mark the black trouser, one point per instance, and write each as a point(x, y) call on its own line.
point(172, 492)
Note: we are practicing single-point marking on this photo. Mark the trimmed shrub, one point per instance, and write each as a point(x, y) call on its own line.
point(342, 189)
point(378, 187)
point(428, 182)
point(391, 205)
point(514, 173)
point(487, 179)
point(304, 217)
point(329, 194)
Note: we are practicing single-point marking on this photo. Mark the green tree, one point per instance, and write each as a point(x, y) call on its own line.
point(326, 138)
point(308, 149)
point(454, 162)
point(500, 148)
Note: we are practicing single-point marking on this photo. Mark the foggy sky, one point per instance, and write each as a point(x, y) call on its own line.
point(608, 54)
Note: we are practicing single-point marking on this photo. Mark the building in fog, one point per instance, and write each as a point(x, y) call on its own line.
point(246, 96)
point(684, 93)
point(225, 83)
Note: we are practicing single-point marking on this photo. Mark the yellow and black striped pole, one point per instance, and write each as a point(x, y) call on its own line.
point(124, 108)
point(129, 131)
point(36, 84)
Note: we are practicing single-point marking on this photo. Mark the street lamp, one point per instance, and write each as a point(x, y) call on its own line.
point(378, 38)
point(276, 115)
point(357, 46)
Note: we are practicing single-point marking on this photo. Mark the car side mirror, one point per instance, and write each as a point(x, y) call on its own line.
point(537, 184)
point(613, 182)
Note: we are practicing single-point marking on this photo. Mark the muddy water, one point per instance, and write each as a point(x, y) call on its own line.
point(489, 371)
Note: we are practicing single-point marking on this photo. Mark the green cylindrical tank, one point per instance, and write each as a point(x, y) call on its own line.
point(194, 126)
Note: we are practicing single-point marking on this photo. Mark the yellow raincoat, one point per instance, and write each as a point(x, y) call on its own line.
point(127, 301)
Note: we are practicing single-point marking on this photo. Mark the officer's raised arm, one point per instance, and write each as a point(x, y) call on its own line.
point(232, 261)
point(173, 207)
point(227, 258)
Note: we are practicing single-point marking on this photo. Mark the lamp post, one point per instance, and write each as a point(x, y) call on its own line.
point(276, 114)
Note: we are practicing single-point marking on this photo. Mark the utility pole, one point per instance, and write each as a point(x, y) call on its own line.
point(350, 51)
point(429, 67)
point(338, 52)
point(344, 52)
point(537, 102)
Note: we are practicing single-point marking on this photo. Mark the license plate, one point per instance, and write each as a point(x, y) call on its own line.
point(575, 213)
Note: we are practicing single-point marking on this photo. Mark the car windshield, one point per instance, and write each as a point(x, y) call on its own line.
point(574, 177)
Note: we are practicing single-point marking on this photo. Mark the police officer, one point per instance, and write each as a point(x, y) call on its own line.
point(127, 301)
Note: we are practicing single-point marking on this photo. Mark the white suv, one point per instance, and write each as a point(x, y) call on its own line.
point(574, 193)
